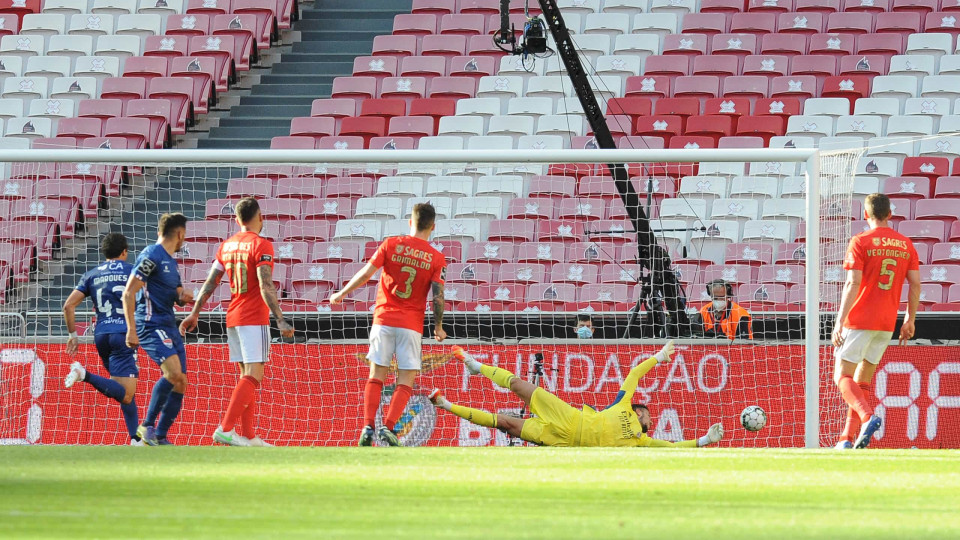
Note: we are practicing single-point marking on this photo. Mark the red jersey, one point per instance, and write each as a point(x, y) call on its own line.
point(409, 266)
point(240, 256)
point(884, 256)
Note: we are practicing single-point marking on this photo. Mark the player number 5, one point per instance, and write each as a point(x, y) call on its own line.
point(408, 285)
point(887, 268)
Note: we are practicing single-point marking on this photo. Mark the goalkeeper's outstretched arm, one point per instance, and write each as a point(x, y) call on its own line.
point(714, 435)
point(629, 385)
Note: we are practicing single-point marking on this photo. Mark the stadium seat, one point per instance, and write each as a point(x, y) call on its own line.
point(220, 48)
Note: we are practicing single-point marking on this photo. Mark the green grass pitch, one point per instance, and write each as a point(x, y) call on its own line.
point(127, 492)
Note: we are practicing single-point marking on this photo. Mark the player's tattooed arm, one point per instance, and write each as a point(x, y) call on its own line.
point(438, 333)
point(189, 324)
point(207, 290)
point(269, 293)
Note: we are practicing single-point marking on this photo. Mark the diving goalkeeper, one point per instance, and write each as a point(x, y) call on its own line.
point(558, 424)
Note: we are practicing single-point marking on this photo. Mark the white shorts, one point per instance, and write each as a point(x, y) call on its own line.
point(860, 345)
point(249, 344)
point(387, 341)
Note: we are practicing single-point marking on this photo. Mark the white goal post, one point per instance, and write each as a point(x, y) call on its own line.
point(811, 163)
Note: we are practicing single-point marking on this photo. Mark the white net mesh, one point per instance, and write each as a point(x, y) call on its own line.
point(529, 248)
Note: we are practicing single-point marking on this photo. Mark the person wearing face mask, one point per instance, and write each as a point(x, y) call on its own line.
point(724, 317)
point(584, 326)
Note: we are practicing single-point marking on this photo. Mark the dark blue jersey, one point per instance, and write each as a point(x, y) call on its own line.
point(104, 285)
point(155, 301)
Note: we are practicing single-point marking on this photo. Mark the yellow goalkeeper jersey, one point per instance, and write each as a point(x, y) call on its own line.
point(618, 424)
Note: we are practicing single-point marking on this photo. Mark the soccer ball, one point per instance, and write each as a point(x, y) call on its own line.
point(753, 418)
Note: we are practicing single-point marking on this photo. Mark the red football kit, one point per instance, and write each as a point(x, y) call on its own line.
point(240, 256)
point(409, 265)
point(884, 256)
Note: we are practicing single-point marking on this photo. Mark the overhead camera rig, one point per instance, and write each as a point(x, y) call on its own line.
point(662, 293)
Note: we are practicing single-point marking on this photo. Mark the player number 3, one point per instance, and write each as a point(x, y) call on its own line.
point(408, 285)
point(887, 268)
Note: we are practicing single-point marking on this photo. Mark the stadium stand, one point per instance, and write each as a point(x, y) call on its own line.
point(708, 74)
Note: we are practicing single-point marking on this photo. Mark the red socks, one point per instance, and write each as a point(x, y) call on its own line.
point(854, 395)
point(247, 426)
point(852, 428)
point(243, 394)
point(371, 401)
point(397, 404)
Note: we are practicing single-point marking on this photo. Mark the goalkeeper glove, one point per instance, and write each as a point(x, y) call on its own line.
point(665, 353)
point(714, 434)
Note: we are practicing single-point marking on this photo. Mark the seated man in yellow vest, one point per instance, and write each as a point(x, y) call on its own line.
point(724, 317)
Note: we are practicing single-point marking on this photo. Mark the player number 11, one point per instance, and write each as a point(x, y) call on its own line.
point(887, 268)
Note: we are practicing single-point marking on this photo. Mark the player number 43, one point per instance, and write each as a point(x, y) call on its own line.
point(106, 306)
point(887, 269)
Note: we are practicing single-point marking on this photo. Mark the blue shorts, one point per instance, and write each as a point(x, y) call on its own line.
point(162, 343)
point(118, 359)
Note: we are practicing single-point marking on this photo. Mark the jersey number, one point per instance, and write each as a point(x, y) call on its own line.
point(887, 268)
point(408, 285)
point(106, 306)
point(238, 277)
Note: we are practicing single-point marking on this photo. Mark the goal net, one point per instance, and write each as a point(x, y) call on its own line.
point(538, 242)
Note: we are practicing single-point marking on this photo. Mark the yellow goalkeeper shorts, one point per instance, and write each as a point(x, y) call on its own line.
point(556, 423)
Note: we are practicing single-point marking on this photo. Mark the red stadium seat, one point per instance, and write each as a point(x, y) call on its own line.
point(798, 87)
point(852, 87)
point(157, 111)
point(522, 273)
point(200, 70)
point(549, 230)
point(208, 7)
point(492, 252)
point(833, 44)
point(333, 107)
point(99, 108)
point(267, 28)
point(713, 126)
point(869, 65)
point(436, 7)
point(749, 253)
point(648, 86)
point(311, 230)
point(464, 24)
point(136, 131)
point(946, 274)
point(753, 23)
point(903, 24)
point(722, 6)
point(874, 6)
point(513, 229)
point(705, 23)
point(179, 91)
point(716, 65)
point(366, 127)
point(168, 46)
point(591, 252)
point(683, 45)
point(316, 127)
point(807, 22)
point(423, 66)
point(885, 44)
point(929, 167)
point(948, 187)
point(394, 46)
point(249, 187)
point(190, 24)
point(783, 44)
point(11, 24)
point(908, 187)
point(384, 108)
point(298, 188)
point(472, 66)
point(444, 46)
point(378, 67)
point(243, 30)
point(452, 87)
point(764, 65)
point(581, 209)
point(221, 49)
point(305, 275)
point(435, 108)
point(664, 127)
point(393, 143)
point(354, 88)
point(414, 24)
point(816, 65)
point(80, 128)
point(293, 142)
point(670, 66)
point(739, 45)
point(123, 89)
point(412, 126)
point(474, 273)
point(338, 252)
point(146, 67)
point(850, 23)
point(482, 45)
point(291, 252)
